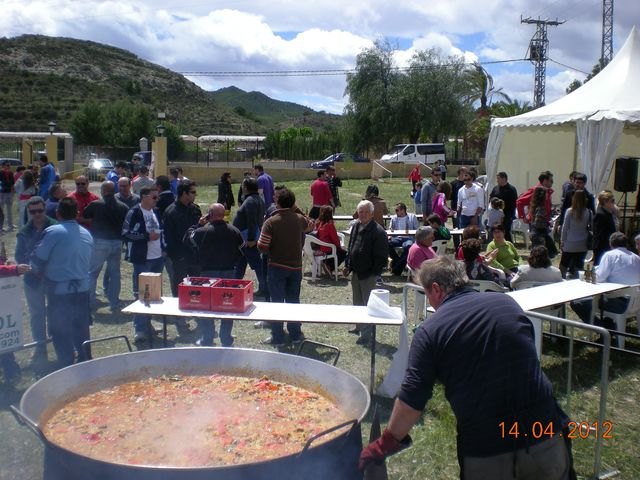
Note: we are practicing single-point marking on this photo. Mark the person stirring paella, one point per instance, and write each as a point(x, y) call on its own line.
point(465, 345)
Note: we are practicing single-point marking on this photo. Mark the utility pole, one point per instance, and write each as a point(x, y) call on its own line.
point(538, 48)
point(607, 33)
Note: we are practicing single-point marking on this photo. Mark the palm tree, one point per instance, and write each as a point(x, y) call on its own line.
point(480, 88)
point(510, 109)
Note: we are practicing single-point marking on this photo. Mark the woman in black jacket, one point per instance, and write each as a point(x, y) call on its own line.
point(603, 225)
point(225, 195)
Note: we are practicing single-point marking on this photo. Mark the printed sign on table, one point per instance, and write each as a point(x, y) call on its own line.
point(11, 337)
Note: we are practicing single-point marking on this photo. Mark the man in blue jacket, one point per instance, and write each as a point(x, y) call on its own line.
point(141, 230)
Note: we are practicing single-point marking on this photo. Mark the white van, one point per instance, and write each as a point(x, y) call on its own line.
point(426, 153)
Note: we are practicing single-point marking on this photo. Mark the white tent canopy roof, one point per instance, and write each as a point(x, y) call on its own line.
point(614, 93)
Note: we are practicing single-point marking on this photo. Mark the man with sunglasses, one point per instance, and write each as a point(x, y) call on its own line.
point(83, 197)
point(141, 230)
point(34, 286)
point(177, 219)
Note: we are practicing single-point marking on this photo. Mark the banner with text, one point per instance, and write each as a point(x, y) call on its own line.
point(11, 337)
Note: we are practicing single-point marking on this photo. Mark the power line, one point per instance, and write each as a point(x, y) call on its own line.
point(306, 73)
point(568, 66)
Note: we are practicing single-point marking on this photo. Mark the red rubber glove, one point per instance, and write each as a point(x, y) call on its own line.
point(380, 449)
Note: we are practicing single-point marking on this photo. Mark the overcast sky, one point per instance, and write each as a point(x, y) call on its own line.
point(284, 35)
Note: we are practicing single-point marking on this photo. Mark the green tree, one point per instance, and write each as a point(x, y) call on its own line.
point(87, 124)
point(369, 91)
point(438, 89)
point(480, 88)
point(126, 123)
point(509, 109)
point(175, 144)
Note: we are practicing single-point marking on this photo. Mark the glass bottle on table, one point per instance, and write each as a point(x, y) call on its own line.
point(587, 273)
point(147, 296)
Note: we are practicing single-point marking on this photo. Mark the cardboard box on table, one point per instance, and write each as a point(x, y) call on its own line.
point(154, 280)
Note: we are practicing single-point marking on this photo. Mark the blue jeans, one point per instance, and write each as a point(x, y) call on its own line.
point(69, 317)
point(398, 262)
point(142, 323)
point(584, 307)
point(252, 257)
point(207, 327)
point(6, 203)
point(106, 251)
point(284, 287)
point(35, 293)
point(465, 220)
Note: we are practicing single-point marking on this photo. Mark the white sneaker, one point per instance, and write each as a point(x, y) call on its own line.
point(261, 324)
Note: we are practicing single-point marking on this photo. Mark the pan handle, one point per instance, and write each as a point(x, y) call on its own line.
point(22, 419)
point(87, 343)
point(353, 423)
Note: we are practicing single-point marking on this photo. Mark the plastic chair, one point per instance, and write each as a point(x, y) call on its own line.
point(518, 226)
point(487, 286)
point(440, 247)
point(420, 302)
point(410, 273)
point(632, 310)
point(316, 257)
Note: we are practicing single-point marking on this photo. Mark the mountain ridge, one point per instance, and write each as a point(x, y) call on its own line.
point(48, 78)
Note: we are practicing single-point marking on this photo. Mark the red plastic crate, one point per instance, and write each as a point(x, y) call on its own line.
point(195, 297)
point(232, 295)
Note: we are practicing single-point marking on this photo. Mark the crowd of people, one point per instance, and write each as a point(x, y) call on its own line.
point(67, 239)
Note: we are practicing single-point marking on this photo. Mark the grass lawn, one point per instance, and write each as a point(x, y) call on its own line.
point(433, 454)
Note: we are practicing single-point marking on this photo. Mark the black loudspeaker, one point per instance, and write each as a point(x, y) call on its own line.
point(626, 174)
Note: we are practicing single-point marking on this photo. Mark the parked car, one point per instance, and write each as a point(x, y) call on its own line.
point(425, 153)
point(14, 162)
point(98, 168)
point(339, 157)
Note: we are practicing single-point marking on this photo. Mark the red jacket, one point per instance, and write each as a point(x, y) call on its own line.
point(415, 175)
point(8, 271)
point(327, 233)
point(524, 200)
point(320, 193)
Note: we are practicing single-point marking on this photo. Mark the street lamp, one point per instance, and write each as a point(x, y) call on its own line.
point(52, 127)
point(160, 129)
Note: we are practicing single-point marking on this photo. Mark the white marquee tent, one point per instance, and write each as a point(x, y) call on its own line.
point(585, 130)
